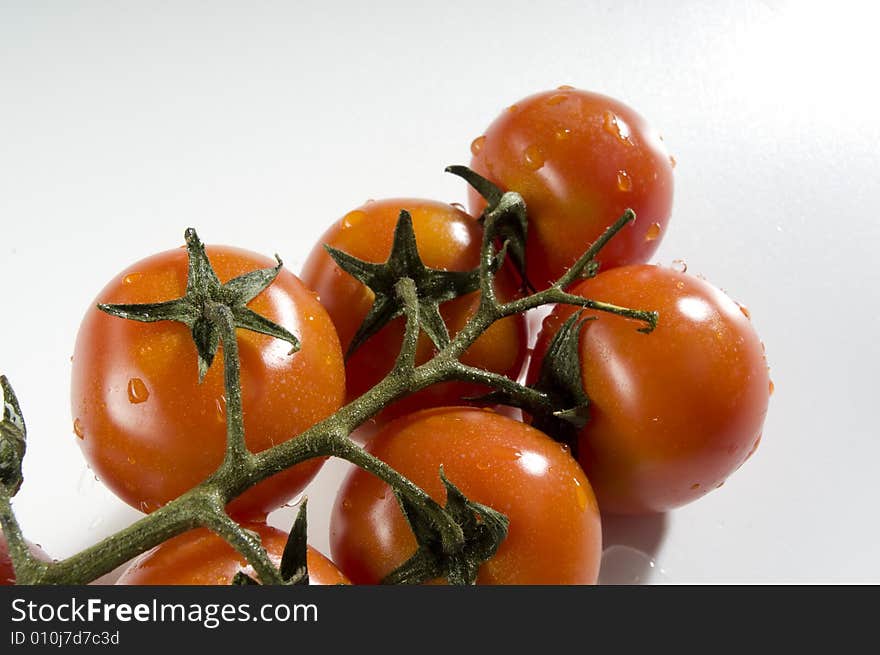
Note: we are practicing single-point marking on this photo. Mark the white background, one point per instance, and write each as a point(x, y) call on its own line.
point(122, 123)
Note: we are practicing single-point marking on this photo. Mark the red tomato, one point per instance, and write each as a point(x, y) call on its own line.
point(579, 159)
point(554, 535)
point(673, 412)
point(200, 557)
point(7, 572)
point(147, 427)
point(447, 239)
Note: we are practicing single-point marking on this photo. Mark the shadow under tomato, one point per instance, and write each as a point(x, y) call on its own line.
point(630, 547)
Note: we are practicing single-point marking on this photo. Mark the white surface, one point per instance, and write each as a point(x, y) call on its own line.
point(258, 123)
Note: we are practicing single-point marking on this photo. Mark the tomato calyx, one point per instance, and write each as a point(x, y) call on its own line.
point(204, 292)
point(483, 529)
point(294, 569)
point(505, 216)
point(565, 408)
point(13, 441)
point(433, 286)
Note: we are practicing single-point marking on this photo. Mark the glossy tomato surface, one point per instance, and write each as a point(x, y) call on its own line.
point(200, 557)
point(579, 159)
point(554, 535)
point(150, 431)
point(448, 239)
point(674, 412)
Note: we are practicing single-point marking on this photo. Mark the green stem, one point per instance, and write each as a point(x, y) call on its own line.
point(237, 453)
point(27, 568)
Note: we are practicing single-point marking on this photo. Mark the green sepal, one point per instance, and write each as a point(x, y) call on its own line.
point(505, 217)
point(483, 529)
point(242, 579)
point(294, 565)
point(433, 286)
point(13, 440)
point(567, 410)
point(203, 286)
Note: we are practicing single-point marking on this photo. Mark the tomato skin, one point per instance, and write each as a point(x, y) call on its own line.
point(200, 557)
point(579, 159)
point(674, 412)
point(7, 571)
point(555, 532)
point(150, 431)
point(448, 239)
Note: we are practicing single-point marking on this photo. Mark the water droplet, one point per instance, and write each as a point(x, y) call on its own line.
point(695, 486)
point(565, 87)
point(458, 206)
point(556, 98)
point(672, 161)
point(624, 181)
point(131, 278)
point(220, 407)
point(745, 311)
point(679, 266)
point(615, 126)
point(772, 387)
point(513, 108)
point(346, 504)
point(131, 460)
point(352, 218)
point(310, 317)
point(533, 158)
point(653, 232)
point(147, 506)
point(562, 133)
point(482, 466)
point(679, 285)
point(78, 429)
point(137, 391)
point(477, 145)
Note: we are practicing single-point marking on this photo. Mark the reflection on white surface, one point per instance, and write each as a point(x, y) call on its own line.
point(624, 565)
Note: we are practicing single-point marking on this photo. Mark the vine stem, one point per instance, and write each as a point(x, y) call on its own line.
point(241, 469)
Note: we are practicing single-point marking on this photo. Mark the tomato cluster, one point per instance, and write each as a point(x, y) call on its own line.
point(668, 415)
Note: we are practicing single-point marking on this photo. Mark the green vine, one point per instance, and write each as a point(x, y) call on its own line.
point(453, 541)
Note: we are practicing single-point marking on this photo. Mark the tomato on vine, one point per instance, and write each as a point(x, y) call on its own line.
point(200, 557)
point(447, 240)
point(579, 159)
point(672, 413)
point(554, 534)
point(151, 431)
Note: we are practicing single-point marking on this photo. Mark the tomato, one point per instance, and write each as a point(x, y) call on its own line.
point(147, 427)
point(200, 557)
point(579, 159)
point(7, 571)
point(448, 239)
point(554, 535)
point(673, 412)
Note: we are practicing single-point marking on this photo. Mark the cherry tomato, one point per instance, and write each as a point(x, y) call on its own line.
point(200, 557)
point(7, 571)
point(673, 412)
point(147, 427)
point(579, 159)
point(554, 535)
point(447, 239)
